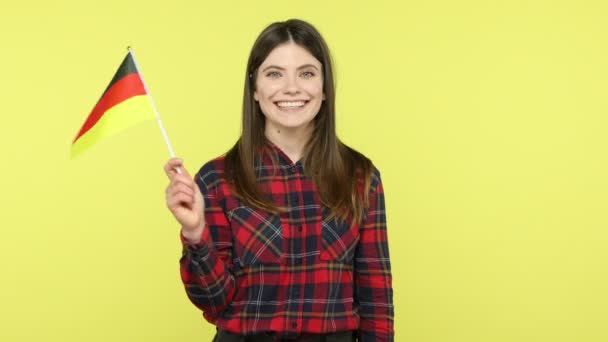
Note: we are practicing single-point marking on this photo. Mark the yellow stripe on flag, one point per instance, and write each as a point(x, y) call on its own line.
point(125, 114)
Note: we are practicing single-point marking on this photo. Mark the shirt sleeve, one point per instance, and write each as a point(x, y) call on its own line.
point(206, 267)
point(373, 279)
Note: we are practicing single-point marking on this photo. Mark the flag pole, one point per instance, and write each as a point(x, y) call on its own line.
point(158, 120)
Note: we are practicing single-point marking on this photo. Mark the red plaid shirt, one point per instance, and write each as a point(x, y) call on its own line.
point(291, 273)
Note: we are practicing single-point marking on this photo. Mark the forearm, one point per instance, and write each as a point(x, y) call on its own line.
point(192, 237)
point(207, 279)
point(375, 298)
point(373, 278)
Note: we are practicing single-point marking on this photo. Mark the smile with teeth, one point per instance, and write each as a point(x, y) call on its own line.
point(290, 104)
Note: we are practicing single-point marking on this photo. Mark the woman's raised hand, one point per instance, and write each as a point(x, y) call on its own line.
point(184, 200)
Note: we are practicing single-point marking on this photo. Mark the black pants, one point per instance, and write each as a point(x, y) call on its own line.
point(225, 336)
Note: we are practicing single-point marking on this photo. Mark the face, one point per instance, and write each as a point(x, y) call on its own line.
point(289, 87)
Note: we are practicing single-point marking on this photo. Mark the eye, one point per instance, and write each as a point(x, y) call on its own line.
point(273, 74)
point(308, 74)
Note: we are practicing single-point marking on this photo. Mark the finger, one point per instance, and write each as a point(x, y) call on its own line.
point(181, 187)
point(181, 179)
point(180, 200)
point(173, 192)
point(182, 173)
point(184, 178)
point(173, 162)
point(173, 165)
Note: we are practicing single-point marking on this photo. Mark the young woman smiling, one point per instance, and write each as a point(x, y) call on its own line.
point(284, 237)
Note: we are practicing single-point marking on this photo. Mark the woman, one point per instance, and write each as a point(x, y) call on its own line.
point(285, 236)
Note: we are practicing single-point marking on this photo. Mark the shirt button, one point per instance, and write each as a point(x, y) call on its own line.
point(294, 169)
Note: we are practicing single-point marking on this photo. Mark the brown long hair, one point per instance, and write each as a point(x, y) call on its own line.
point(341, 174)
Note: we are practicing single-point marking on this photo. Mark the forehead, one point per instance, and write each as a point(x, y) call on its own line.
point(290, 55)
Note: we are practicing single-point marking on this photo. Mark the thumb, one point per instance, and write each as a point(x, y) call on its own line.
point(175, 166)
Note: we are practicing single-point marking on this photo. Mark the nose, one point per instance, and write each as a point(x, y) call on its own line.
point(291, 85)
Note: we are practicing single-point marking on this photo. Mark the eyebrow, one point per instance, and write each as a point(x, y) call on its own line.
point(280, 68)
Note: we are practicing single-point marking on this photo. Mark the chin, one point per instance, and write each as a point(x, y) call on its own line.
point(291, 122)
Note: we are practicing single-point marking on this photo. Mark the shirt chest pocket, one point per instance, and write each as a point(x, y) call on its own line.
point(257, 236)
point(338, 240)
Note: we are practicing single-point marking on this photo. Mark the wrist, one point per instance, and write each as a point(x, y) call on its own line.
point(193, 236)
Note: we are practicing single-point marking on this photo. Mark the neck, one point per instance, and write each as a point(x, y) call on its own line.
point(290, 140)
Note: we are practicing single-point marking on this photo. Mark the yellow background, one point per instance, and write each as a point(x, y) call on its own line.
point(487, 120)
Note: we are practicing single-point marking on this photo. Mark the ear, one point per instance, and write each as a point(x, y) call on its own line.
point(255, 96)
point(323, 96)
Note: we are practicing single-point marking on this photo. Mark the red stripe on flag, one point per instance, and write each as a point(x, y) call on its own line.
point(127, 87)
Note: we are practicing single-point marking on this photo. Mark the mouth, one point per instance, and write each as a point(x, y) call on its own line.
point(291, 106)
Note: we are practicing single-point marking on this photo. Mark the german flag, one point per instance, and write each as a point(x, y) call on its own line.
point(123, 104)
